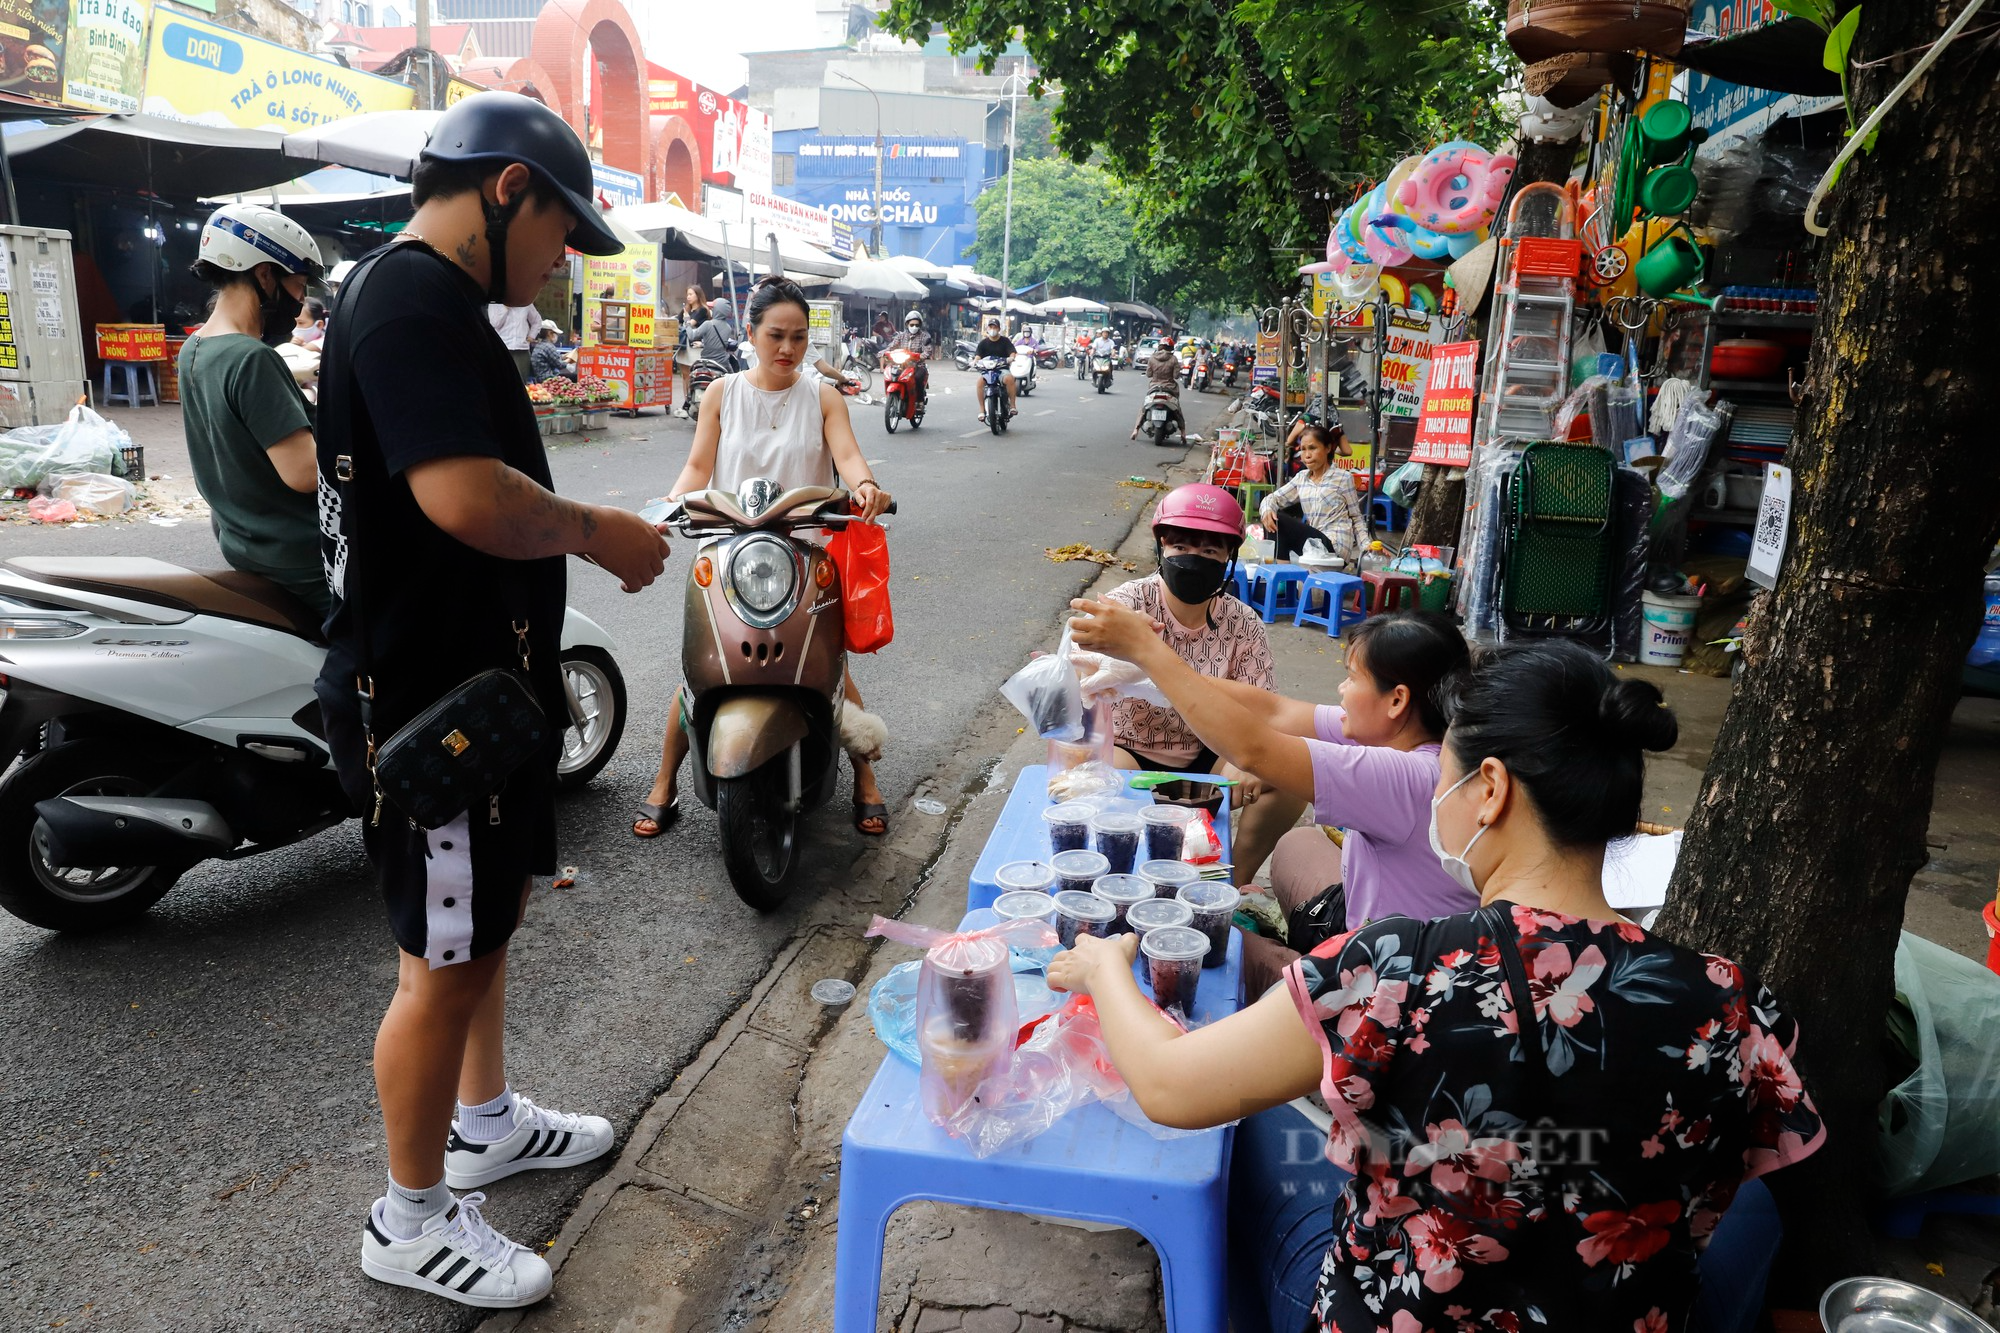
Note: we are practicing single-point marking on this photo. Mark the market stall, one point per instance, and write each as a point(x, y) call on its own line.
point(628, 344)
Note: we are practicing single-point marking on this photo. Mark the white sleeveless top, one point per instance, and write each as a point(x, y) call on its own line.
point(776, 435)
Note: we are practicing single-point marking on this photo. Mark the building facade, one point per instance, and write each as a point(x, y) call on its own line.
point(928, 185)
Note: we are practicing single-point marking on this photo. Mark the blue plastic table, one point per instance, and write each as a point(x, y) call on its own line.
point(1020, 834)
point(1089, 1165)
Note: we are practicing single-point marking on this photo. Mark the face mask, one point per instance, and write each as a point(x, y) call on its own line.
point(281, 316)
point(1455, 866)
point(1194, 579)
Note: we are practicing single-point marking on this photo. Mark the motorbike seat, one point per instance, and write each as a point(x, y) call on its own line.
point(229, 593)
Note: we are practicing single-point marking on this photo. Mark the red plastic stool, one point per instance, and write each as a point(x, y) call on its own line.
point(1390, 592)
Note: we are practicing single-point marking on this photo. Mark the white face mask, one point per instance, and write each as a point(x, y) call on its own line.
point(1455, 866)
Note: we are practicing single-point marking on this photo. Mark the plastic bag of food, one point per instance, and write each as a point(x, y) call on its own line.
point(93, 493)
point(1938, 1127)
point(1049, 694)
point(1108, 678)
point(1089, 781)
point(85, 442)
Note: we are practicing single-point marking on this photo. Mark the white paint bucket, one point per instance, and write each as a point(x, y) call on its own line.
point(1669, 625)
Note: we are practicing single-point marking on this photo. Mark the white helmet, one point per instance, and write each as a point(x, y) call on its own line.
point(238, 237)
point(914, 317)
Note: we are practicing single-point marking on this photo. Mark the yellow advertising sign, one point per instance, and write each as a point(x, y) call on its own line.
point(632, 275)
point(456, 90)
point(202, 72)
point(104, 60)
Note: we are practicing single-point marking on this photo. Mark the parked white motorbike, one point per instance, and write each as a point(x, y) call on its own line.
point(153, 717)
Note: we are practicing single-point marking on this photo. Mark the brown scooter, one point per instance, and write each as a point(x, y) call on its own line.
point(763, 650)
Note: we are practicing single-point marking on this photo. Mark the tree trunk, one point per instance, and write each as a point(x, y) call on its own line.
point(1812, 815)
point(1440, 507)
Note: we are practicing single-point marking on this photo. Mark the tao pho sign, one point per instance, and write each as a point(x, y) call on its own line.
point(1444, 434)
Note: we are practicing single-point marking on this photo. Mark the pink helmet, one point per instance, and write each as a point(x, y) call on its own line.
point(1201, 508)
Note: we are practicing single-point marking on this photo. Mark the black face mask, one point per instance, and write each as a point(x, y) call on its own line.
point(281, 316)
point(1194, 579)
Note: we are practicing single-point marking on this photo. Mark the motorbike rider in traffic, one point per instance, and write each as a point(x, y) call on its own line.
point(915, 338)
point(996, 343)
point(1163, 375)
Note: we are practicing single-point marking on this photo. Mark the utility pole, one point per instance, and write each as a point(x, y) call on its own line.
point(1007, 227)
point(423, 38)
point(878, 157)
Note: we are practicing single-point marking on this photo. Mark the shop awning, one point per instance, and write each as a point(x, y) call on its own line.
point(145, 152)
point(1141, 310)
point(687, 235)
point(330, 212)
point(1784, 56)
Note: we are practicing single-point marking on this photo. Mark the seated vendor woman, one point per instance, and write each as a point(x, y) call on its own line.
point(1367, 766)
point(1432, 1046)
point(1196, 533)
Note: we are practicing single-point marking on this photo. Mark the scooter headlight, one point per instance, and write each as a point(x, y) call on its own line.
point(763, 574)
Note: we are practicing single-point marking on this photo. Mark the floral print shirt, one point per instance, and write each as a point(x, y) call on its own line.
point(1673, 1084)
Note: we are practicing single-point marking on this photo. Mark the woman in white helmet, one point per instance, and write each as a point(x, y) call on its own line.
point(249, 433)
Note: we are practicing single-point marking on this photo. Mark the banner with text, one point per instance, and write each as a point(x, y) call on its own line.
point(202, 72)
point(104, 58)
point(789, 217)
point(734, 137)
point(1406, 357)
point(1444, 433)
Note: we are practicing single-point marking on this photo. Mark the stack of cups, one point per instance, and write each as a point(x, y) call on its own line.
point(1029, 905)
point(1166, 830)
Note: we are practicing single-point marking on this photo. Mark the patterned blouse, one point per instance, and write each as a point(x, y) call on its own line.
point(1673, 1084)
point(1231, 647)
point(1331, 507)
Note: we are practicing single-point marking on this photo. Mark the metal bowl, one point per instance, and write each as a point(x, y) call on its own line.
point(1884, 1305)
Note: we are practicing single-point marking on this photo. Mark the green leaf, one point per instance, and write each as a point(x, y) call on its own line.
point(1840, 40)
point(1820, 12)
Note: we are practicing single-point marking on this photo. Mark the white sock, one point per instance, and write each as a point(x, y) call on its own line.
point(403, 1211)
point(488, 1122)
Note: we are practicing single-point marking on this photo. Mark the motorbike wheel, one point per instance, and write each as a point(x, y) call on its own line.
point(917, 417)
point(1103, 383)
point(600, 692)
point(759, 839)
point(892, 410)
point(1160, 431)
point(856, 369)
point(961, 360)
point(62, 897)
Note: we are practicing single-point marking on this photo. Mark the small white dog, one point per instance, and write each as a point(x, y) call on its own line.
point(862, 734)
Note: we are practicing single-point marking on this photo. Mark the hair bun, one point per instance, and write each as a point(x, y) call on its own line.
point(1634, 712)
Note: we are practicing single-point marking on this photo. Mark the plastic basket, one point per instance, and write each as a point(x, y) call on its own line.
point(132, 462)
point(1547, 257)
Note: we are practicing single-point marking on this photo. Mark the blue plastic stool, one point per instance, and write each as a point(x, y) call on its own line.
point(1336, 588)
point(1386, 514)
point(130, 374)
point(1272, 579)
point(1089, 1165)
point(1240, 575)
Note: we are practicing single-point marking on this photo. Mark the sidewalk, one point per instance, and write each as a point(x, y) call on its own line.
point(720, 1213)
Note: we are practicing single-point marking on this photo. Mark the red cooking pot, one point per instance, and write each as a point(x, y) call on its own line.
point(1746, 359)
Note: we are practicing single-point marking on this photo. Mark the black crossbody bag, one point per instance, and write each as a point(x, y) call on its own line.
point(464, 747)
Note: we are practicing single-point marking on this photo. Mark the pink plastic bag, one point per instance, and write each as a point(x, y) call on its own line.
point(46, 510)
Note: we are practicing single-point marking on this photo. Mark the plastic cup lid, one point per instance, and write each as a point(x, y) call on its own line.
point(1158, 914)
point(1026, 905)
point(1122, 888)
point(1168, 814)
point(1070, 812)
point(1084, 906)
point(833, 991)
point(1114, 821)
point(1173, 873)
point(1078, 865)
point(1174, 944)
point(1211, 897)
point(1018, 875)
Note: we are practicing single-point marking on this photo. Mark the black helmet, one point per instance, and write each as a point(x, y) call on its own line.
point(507, 127)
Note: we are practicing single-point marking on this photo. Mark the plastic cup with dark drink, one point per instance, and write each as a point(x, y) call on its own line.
point(1166, 831)
point(1069, 826)
point(1158, 914)
point(1082, 914)
point(1173, 964)
point(1168, 878)
point(1077, 871)
point(1025, 877)
point(1214, 905)
point(1121, 891)
point(1117, 838)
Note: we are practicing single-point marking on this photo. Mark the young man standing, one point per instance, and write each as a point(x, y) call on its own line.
point(446, 548)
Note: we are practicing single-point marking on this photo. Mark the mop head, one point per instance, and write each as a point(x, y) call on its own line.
point(862, 734)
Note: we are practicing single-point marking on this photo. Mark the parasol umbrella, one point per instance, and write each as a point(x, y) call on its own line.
point(1072, 305)
point(384, 142)
point(878, 280)
point(917, 267)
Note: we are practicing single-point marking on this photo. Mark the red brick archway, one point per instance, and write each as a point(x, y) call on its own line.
point(566, 34)
point(676, 167)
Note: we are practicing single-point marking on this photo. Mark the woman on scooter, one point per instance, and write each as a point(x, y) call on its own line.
point(1324, 492)
point(772, 421)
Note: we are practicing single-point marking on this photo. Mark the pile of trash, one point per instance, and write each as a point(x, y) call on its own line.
point(73, 472)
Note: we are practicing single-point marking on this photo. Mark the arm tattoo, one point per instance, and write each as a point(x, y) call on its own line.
point(534, 521)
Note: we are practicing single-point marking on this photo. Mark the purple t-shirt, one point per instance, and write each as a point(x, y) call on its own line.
point(1382, 797)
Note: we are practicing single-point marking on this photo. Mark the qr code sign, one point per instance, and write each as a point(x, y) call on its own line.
point(1771, 523)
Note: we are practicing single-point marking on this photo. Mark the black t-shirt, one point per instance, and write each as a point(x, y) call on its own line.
point(996, 347)
point(412, 371)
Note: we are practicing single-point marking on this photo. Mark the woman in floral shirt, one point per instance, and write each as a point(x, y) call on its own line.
point(1567, 1183)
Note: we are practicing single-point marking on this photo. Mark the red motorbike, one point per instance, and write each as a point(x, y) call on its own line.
point(903, 396)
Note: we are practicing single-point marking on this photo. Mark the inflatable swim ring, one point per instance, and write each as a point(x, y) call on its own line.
point(1456, 189)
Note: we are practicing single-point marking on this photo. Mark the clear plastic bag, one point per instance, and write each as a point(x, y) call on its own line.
point(1402, 485)
point(85, 442)
point(93, 493)
point(1938, 1127)
point(1049, 694)
point(892, 1002)
point(1107, 678)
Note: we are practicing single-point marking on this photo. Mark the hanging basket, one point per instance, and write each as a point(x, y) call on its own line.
point(1573, 78)
point(1539, 29)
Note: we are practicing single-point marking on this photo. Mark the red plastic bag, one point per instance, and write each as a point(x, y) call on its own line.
point(860, 551)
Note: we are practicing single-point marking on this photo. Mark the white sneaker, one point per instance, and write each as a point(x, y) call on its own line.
point(542, 1140)
point(460, 1257)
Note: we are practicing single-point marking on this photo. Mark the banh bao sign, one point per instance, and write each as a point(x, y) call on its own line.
point(209, 75)
point(104, 58)
point(1444, 434)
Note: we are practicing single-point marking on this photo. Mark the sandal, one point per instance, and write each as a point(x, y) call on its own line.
point(865, 811)
point(659, 816)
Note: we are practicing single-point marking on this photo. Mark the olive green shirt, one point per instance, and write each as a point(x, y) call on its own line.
point(238, 399)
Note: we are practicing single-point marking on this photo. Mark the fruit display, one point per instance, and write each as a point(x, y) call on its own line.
point(583, 392)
